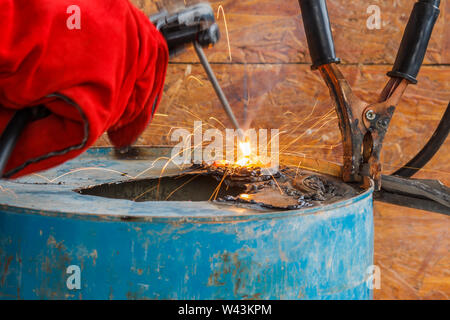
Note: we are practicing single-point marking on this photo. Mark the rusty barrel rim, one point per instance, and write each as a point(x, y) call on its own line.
point(61, 201)
point(188, 219)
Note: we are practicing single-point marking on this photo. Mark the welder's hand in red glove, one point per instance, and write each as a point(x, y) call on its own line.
point(96, 65)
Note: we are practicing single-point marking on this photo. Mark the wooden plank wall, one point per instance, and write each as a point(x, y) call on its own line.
point(270, 61)
point(270, 85)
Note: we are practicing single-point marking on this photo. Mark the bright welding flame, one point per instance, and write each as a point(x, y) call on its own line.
point(246, 157)
point(246, 152)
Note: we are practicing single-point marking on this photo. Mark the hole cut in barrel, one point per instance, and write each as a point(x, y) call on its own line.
point(286, 189)
point(186, 187)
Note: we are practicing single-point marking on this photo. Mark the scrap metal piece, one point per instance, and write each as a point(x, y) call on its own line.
point(428, 189)
point(429, 195)
point(286, 189)
point(410, 202)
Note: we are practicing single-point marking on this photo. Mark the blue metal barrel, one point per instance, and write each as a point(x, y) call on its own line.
point(58, 244)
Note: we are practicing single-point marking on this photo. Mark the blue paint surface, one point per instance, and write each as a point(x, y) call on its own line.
point(155, 250)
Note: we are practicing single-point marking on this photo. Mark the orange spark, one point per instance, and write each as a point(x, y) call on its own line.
point(220, 8)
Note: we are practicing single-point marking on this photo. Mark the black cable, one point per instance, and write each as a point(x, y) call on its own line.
point(14, 129)
point(429, 150)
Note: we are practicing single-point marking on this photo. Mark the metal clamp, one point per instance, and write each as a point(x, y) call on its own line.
point(364, 125)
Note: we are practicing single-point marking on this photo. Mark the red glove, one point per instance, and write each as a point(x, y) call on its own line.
point(112, 68)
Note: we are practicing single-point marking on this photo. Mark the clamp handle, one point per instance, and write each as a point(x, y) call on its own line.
point(415, 40)
point(318, 32)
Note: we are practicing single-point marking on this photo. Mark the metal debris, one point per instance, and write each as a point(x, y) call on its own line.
point(287, 188)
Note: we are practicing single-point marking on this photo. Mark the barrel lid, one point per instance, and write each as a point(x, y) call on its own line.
point(51, 193)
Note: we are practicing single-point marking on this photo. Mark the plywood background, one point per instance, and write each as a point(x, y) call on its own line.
point(270, 85)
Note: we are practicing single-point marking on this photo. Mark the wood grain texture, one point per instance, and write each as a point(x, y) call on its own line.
point(294, 99)
point(270, 31)
point(412, 250)
point(269, 76)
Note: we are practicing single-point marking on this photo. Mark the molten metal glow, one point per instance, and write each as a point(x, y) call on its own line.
point(221, 163)
point(246, 158)
point(246, 152)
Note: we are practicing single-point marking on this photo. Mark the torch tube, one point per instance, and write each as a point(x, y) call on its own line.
point(223, 99)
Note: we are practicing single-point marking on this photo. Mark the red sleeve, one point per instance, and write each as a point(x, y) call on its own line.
point(105, 76)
